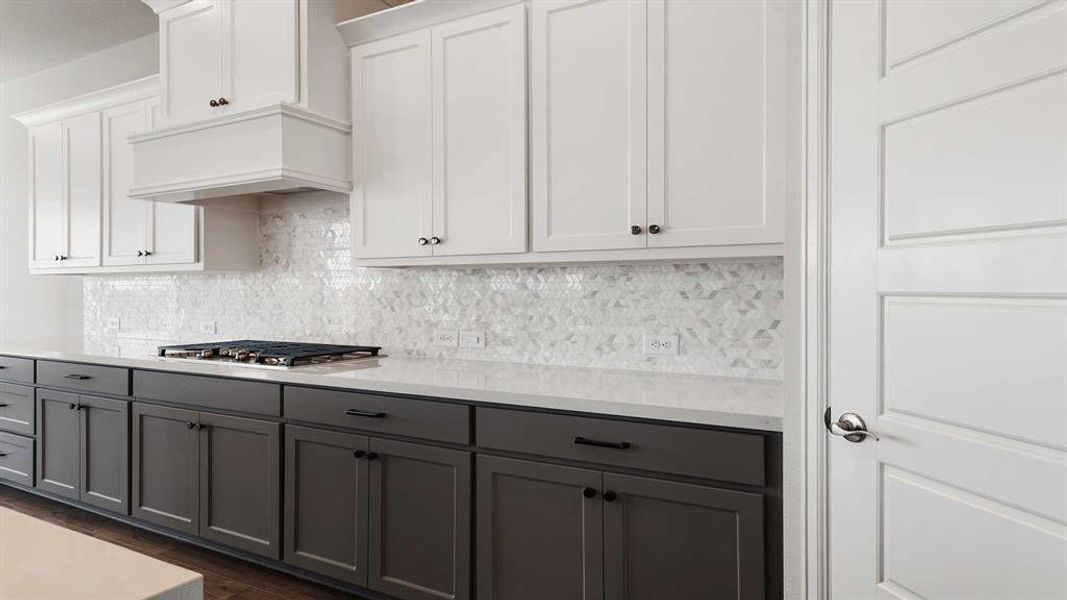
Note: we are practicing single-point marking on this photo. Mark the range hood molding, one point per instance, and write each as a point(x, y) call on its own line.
point(270, 149)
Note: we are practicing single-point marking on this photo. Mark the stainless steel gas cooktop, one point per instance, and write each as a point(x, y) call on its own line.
point(269, 354)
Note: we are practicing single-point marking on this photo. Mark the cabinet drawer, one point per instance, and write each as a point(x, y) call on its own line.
point(16, 409)
point(209, 392)
point(19, 370)
point(384, 414)
point(16, 458)
point(84, 378)
point(721, 455)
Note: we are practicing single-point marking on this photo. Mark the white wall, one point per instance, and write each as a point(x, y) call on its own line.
point(48, 306)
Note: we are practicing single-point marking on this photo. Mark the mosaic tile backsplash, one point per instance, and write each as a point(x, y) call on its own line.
point(728, 314)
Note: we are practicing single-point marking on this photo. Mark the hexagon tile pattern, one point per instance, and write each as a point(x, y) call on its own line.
point(727, 314)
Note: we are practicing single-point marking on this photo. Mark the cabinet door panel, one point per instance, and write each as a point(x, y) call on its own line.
point(698, 542)
point(17, 410)
point(588, 122)
point(717, 121)
point(392, 169)
point(538, 535)
point(124, 219)
point(191, 60)
point(47, 198)
point(240, 483)
point(165, 460)
point(57, 448)
point(419, 521)
point(479, 156)
point(173, 233)
point(82, 150)
point(104, 451)
point(261, 45)
point(326, 503)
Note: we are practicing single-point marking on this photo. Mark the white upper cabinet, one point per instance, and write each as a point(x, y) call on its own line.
point(262, 46)
point(124, 220)
point(392, 207)
point(587, 119)
point(718, 99)
point(479, 141)
point(47, 196)
point(439, 123)
point(191, 59)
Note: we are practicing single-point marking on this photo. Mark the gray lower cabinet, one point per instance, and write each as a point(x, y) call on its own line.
point(166, 467)
point(698, 542)
point(16, 458)
point(17, 409)
point(213, 476)
point(104, 452)
point(58, 421)
point(326, 502)
point(240, 483)
point(419, 525)
point(540, 531)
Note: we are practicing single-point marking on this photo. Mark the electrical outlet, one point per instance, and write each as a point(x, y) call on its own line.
point(113, 324)
point(665, 345)
point(208, 327)
point(446, 337)
point(472, 339)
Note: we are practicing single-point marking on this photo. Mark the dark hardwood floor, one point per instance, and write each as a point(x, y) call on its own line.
point(224, 577)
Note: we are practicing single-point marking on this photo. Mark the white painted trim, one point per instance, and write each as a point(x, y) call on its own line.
point(219, 186)
point(758, 252)
point(412, 17)
point(124, 93)
point(287, 110)
point(159, 6)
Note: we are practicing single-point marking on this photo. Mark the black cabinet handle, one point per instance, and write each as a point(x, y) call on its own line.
point(72, 406)
point(140, 253)
point(223, 102)
point(372, 456)
point(190, 425)
point(435, 240)
point(589, 492)
point(653, 229)
point(581, 441)
point(423, 241)
point(200, 426)
point(2, 405)
point(2, 367)
point(147, 253)
point(213, 103)
point(355, 412)
point(77, 377)
point(635, 230)
point(358, 453)
point(609, 496)
point(3, 454)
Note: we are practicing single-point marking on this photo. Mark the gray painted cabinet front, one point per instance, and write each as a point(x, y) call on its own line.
point(104, 462)
point(419, 521)
point(57, 449)
point(326, 502)
point(698, 542)
point(540, 531)
point(166, 467)
point(240, 483)
point(17, 413)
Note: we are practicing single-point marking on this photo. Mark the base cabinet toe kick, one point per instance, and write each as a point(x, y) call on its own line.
point(400, 497)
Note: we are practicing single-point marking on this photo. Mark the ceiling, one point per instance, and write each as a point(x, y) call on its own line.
point(37, 34)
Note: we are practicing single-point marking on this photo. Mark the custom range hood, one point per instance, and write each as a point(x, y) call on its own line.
point(254, 97)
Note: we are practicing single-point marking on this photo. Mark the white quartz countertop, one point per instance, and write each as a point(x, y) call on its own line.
point(42, 560)
point(696, 399)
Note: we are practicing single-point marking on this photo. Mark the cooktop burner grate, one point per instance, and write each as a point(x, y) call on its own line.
point(285, 354)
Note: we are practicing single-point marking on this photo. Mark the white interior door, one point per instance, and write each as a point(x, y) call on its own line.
point(948, 324)
point(191, 60)
point(124, 219)
point(47, 199)
point(82, 180)
point(392, 142)
point(479, 142)
point(588, 124)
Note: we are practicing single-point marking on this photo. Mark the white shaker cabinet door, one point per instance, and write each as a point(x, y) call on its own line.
point(124, 219)
point(588, 119)
point(479, 141)
point(718, 124)
point(191, 60)
point(172, 234)
point(391, 148)
point(47, 198)
point(261, 52)
point(81, 157)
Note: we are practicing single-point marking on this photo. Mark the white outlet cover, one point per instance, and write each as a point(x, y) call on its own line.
point(208, 327)
point(446, 337)
point(472, 339)
point(662, 345)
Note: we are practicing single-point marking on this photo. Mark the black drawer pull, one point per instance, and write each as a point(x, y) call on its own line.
point(77, 377)
point(3, 405)
point(3, 454)
point(581, 441)
point(355, 412)
point(3, 367)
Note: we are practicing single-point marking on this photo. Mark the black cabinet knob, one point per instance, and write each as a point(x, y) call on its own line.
point(653, 229)
point(372, 456)
point(609, 496)
point(56, 257)
point(589, 492)
point(359, 453)
point(635, 230)
point(423, 241)
point(190, 425)
point(72, 406)
point(140, 253)
point(223, 102)
point(435, 240)
point(147, 253)
point(213, 103)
